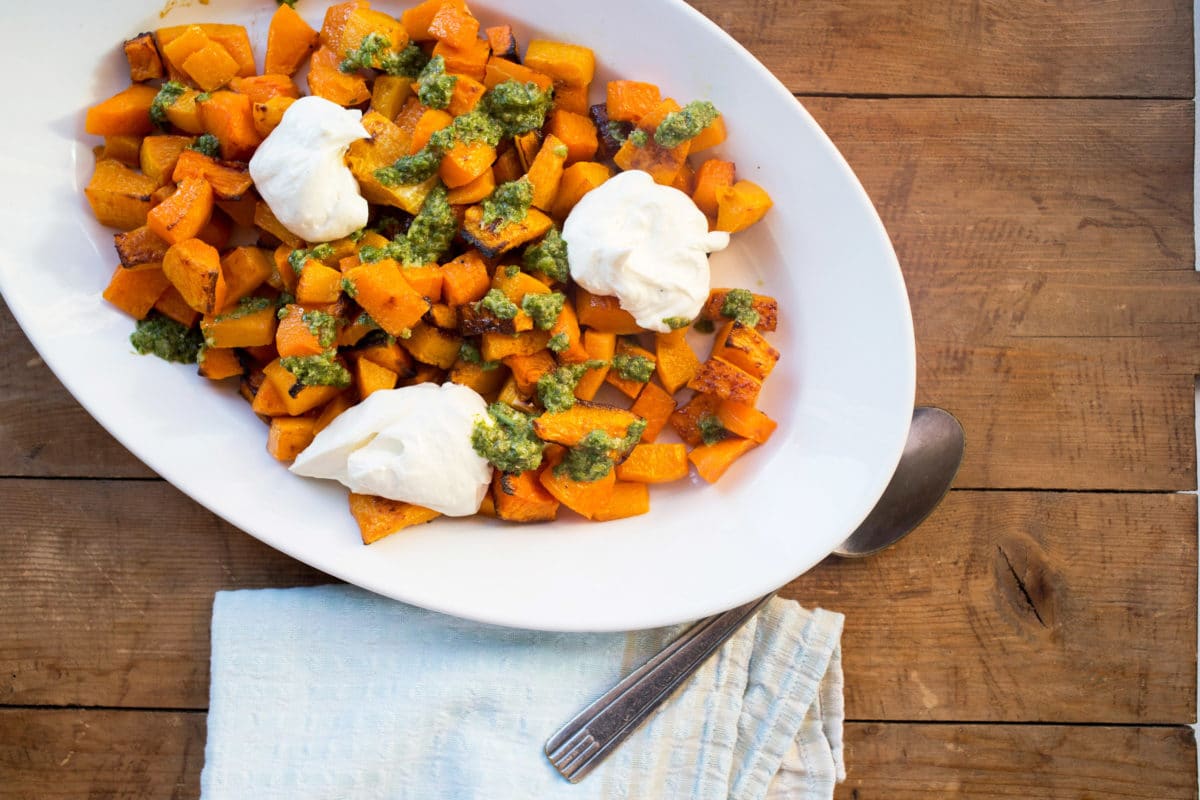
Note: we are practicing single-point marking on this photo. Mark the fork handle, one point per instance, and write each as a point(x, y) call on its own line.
point(585, 741)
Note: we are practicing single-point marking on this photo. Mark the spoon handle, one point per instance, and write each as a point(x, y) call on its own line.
point(596, 731)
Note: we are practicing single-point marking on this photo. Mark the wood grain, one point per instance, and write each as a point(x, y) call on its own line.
point(1003, 607)
point(984, 47)
point(916, 762)
point(1047, 247)
point(1021, 606)
point(72, 753)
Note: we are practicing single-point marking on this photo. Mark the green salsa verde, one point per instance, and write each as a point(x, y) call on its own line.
point(167, 339)
point(506, 439)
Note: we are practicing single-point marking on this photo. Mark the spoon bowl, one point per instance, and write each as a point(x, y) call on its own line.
point(931, 458)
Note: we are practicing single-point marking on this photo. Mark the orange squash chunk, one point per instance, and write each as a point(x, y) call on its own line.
point(172, 305)
point(492, 243)
point(629, 101)
point(245, 269)
point(627, 500)
point(135, 290)
point(318, 284)
point(686, 420)
point(654, 463)
point(261, 88)
point(500, 70)
point(522, 498)
point(656, 407)
point(567, 325)
point(745, 421)
point(119, 196)
point(570, 426)
point(229, 117)
point(370, 377)
point(713, 174)
point(676, 361)
point(766, 306)
point(184, 214)
point(545, 173)
point(325, 79)
point(476, 191)
point(416, 20)
point(297, 398)
point(471, 60)
point(603, 313)
point(497, 346)
point(194, 268)
point(125, 113)
point(290, 40)
point(217, 364)
point(254, 329)
point(378, 517)
point(289, 435)
point(728, 382)
point(577, 180)
point(144, 62)
point(158, 155)
point(741, 205)
point(382, 291)
point(431, 345)
point(454, 26)
point(586, 498)
point(577, 133)
point(464, 162)
point(293, 336)
point(712, 460)
point(600, 346)
point(210, 67)
point(571, 64)
point(663, 163)
point(465, 279)
point(745, 347)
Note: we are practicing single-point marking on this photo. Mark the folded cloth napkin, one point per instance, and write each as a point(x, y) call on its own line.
point(332, 692)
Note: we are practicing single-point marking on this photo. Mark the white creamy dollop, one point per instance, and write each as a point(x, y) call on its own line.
point(644, 243)
point(411, 444)
point(300, 170)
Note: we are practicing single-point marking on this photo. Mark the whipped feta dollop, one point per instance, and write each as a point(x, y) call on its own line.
point(300, 170)
point(644, 243)
point(411, 444)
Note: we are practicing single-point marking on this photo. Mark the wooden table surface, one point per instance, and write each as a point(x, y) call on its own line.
point(1037, 638)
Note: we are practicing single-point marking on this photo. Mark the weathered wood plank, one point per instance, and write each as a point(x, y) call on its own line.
point(109, 590)
point(1014, 606)
point(108, 606)
point(43, 431)
point(1047, 248)
point(1066, 49)
point(71, 753)
point(915, 762)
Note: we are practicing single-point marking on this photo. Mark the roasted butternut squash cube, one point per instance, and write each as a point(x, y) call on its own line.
point(119, 196)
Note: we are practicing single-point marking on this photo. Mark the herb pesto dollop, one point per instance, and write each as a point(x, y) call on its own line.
point(435, 85)
point(739, 305)
point(544, 308)
point(506, 439)
point(167, 339)
point(321, 325)
point(367, 54)
point(549, 256)
point(679, 126)
point(633, 367)
point(508, 204)
point(320, 370)
point(711, 429)
point(518, 107)
point(206, 144)
point(408, 63)
point(166, 97)
point(497, 302)
point(556, 390)
point(591, 459)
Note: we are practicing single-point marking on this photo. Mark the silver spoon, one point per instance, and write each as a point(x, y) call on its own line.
point(932, 455)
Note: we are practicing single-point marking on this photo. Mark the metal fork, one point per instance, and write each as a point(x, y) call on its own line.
point(585, 741)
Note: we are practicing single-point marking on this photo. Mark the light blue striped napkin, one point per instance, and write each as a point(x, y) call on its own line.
point(332, 692)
